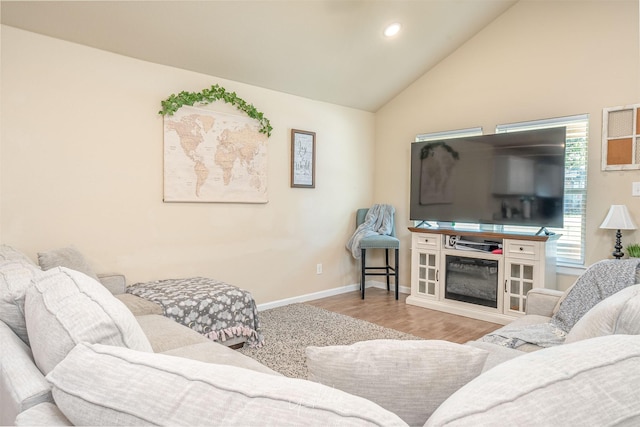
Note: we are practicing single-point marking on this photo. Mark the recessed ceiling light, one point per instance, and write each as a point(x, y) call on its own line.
point(392, 30)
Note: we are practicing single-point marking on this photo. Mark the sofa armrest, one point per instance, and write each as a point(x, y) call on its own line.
point(542, 301)
point(22, 385)
point(43, 414)
point(116, 283)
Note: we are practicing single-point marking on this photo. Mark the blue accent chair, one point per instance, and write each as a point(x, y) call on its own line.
point(378, 242)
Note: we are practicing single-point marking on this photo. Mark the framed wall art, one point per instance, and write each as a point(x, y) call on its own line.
point(303, 159)
point(621, 138)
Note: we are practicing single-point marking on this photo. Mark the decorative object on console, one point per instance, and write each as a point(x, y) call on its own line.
point(633, 250)
point(618, 219)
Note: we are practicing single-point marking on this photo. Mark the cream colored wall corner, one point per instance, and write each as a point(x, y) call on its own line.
point(82, 165)
point(538, 60)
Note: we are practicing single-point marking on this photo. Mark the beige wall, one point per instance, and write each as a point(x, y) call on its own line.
point(82, 164)
point(540, 59)
point(82, 149)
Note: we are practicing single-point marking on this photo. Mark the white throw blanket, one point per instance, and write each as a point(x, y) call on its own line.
point(379, 220)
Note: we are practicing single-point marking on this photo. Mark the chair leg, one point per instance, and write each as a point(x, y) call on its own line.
point(363, 263)
point(397, 272)
point(386, 259)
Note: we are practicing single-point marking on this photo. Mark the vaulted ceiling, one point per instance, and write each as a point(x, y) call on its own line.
point(328, 50)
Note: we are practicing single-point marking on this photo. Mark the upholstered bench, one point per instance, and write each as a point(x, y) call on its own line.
point(215, 309)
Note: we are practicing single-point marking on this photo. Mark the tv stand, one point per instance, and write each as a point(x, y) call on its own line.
point(480, 274)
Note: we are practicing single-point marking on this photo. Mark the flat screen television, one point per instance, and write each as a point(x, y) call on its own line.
point(507, 179)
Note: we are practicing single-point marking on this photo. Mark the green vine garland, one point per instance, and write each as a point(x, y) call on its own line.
point(215, 93)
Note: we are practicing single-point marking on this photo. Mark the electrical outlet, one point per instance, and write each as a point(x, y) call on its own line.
point(319, 269)
point(635, 190)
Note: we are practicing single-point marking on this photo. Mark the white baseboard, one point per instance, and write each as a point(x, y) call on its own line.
point(329, 293)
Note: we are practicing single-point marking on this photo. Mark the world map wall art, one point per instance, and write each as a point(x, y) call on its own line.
point(214, 157)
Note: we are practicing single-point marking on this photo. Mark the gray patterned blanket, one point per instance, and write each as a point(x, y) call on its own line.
point(213, 308)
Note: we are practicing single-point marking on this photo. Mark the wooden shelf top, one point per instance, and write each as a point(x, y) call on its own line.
point(486, 234)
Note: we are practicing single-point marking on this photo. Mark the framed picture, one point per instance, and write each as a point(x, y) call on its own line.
point(303, 158)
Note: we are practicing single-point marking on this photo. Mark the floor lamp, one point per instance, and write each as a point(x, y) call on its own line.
point(618, 219)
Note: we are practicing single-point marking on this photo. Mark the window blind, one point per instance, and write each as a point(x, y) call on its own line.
point(448, 134)
point(571, 244)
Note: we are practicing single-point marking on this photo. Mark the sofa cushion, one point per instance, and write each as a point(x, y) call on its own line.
point(165, 334)
point(140, 306)
point(68, 257)
point(15, 277)
point(618, 314)
point(147, 388)
point(409, 378)
point(592, 382)
point(65, 307)
point(214, 352)
point(497, 353)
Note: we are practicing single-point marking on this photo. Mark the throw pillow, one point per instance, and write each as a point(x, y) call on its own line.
point(7, 253)
point(66, 257)
point(592, 382)
point(409, 378)
point(156, 389)
point(64, 307)
point(600, 281)
point(618, 314)
point(15, 277)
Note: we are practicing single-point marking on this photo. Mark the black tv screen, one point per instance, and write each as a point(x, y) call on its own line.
point(508, 178)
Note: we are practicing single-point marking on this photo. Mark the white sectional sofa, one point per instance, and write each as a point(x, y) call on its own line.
point(74, 354)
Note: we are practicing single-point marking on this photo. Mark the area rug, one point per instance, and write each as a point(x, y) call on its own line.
point(290, 329)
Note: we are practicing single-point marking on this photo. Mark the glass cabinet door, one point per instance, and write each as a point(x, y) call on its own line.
point(428, 274)
point(518, 281)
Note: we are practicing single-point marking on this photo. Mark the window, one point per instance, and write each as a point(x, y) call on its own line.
point(448, 134)
point(571, 244)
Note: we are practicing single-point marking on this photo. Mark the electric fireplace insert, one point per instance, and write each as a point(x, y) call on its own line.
point(472, 280)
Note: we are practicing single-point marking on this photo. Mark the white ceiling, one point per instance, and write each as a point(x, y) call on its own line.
point(327, 50)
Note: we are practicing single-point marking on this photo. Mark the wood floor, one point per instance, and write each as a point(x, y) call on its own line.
point(380, 307)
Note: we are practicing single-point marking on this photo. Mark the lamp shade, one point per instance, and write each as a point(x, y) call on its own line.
point(618, 218)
